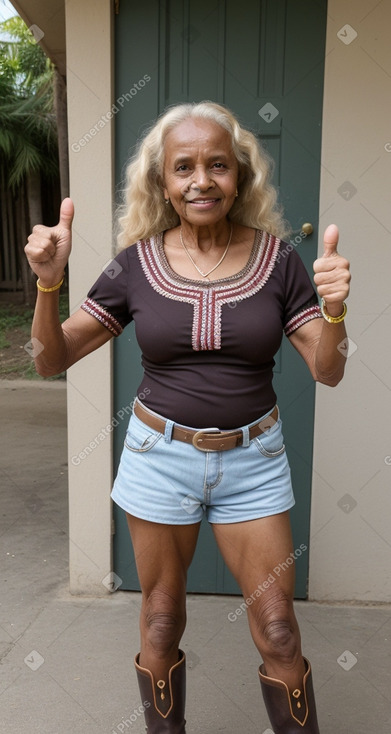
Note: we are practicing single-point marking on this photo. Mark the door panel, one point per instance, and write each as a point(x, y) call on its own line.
point(265, 61)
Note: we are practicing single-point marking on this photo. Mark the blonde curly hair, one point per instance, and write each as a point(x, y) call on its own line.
point(144, 211)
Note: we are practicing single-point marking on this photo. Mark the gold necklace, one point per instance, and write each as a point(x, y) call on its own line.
point(205, 275)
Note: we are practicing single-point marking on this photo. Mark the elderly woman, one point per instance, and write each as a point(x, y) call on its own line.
point(200, 274)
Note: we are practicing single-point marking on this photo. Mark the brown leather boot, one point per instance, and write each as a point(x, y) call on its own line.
point(164, 701)
point(293, 713)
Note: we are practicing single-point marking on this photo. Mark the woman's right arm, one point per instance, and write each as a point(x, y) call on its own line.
point(57, 346)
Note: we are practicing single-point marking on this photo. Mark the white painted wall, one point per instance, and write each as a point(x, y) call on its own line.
point(350, 551)
point(89, 77)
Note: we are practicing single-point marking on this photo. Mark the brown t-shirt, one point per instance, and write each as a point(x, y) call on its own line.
point(207, 347)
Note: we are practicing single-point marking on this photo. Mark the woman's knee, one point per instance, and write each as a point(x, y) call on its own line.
point(163, 620)
point(276, 627)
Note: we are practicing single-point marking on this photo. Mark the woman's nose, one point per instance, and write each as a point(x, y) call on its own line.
point(201, 178)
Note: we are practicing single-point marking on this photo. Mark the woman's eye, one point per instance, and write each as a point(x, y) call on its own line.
point(183, 167)
point(218, 165)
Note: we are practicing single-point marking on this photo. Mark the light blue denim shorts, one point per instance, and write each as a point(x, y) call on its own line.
point(171, 482)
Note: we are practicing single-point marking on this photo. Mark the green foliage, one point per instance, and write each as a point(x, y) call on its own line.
point(12, 317)
point(15, 326)
point(28, 134)
point(28, 62)
point(17, 316)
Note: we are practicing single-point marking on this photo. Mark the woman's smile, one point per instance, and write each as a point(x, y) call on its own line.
point(206, 203)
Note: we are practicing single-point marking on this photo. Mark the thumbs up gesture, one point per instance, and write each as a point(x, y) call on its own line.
point(332, 276)
point(48, 248)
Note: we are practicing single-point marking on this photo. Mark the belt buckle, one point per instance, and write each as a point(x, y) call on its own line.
point(199, 433)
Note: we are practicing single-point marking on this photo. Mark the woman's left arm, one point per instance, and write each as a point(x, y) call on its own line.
point(322, 344)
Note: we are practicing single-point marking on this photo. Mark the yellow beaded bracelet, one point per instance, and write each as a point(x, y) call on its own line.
point(53, 287)
point(333, 319)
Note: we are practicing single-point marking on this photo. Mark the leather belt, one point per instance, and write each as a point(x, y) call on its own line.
point(206, 439)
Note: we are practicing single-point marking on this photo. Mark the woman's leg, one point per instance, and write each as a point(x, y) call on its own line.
point(252, 550)
point(163, 554)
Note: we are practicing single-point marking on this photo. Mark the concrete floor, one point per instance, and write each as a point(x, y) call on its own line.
point(67, 662)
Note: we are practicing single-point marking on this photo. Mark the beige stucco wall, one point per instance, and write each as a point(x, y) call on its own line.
point(89, 77)
point(350, 553)
point(350, 556)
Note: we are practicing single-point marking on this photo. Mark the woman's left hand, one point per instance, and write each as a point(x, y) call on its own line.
point(332, 275)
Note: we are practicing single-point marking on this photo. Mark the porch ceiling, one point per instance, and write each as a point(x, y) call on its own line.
point(49, 16)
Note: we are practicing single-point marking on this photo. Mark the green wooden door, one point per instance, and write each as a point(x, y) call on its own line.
point(265, 60)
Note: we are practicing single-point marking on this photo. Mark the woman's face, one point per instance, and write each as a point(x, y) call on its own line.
point(200, 171)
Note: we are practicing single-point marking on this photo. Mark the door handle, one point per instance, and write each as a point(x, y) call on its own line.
point(307, 228)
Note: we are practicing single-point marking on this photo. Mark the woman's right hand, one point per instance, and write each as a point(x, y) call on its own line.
point(48, 248)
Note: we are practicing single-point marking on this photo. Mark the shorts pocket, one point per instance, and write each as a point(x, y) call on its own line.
point(271, 443)
point(140, 438)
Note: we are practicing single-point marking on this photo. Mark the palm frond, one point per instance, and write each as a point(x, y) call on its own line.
point(27, 158)
point(28, 132)
point(6, 142)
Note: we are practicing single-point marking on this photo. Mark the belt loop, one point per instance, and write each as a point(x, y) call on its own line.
point(246, 436)
point(168, 431)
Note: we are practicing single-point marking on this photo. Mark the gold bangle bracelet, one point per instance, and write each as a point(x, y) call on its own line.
point(333, 319)
point(53, 288)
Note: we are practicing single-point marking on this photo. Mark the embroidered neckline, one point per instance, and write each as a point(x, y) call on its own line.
point(208, 298)
point(159, 239)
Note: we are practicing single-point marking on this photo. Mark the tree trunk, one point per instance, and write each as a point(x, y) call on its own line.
point(34, 198)
point(60, 106)
point(5, 243)
point(10, 217)
point(28, 279)
point(34, 205)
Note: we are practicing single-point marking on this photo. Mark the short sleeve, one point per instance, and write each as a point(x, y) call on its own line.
point(107, 299)
point(301, 302)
